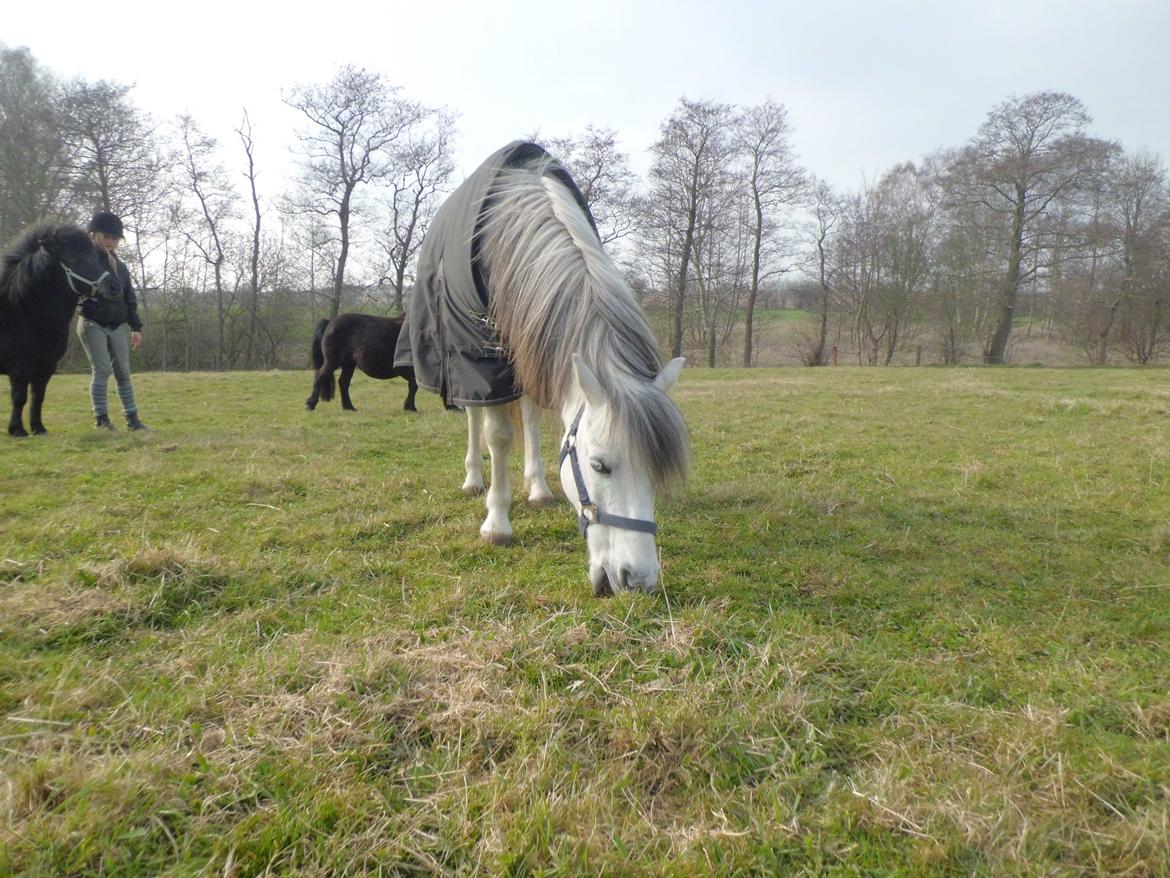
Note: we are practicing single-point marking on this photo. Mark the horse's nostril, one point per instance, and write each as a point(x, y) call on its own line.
point(632, 581)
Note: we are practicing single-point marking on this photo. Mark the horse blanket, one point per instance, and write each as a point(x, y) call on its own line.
point(449, 336)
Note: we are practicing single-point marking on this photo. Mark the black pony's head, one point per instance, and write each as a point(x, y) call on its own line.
point(54, 260)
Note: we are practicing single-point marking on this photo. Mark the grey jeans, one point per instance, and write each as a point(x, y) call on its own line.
point(109, 352)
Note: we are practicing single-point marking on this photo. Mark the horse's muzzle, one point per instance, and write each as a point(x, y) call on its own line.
point(626, 580)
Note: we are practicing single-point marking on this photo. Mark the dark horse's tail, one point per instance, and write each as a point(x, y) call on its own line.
point(322, 384)
point(315, 352)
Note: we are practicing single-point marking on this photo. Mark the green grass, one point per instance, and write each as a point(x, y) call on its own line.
point(781, 315)
point(918, 623)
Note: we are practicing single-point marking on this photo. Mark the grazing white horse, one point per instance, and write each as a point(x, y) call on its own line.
point(580, 345)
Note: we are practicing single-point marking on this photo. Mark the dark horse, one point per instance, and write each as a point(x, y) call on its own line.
point(46, 271)
point(356, 341)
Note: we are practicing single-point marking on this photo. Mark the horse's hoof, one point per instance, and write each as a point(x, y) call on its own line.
point(473, 490)
point(542, 500)
point(39, 431)
point(409, 408)
point(497, 539)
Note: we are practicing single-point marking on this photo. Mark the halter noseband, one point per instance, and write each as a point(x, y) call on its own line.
point(590, 514)
point(71, 276)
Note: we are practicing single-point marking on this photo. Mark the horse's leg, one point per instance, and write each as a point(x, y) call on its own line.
point(408, 406)
point(39, 382)
point(534, 481)
point(321, 380)
point(19, 385)
point(311, 402)
point(473, 462)
point(343, 384)
point(496, 528)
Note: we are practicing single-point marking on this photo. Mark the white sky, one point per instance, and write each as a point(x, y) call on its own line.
point(867, 84)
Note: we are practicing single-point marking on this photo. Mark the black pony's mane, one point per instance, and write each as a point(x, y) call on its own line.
point(29, 256)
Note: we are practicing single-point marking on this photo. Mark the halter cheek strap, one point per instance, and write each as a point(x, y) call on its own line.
point(71, 276)
point(590, 514)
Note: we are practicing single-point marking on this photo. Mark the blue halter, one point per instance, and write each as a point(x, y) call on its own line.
point(590, 514)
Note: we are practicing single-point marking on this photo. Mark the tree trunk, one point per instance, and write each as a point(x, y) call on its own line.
point(676, 341)
point(757, 244)
point(818, 353)
point(221, 354)
point(997, 349)
point(399, 292)
point(166, 273)
point(254, 304)
point(1103, 336)
point(245, 133)
point(680, 292)
point(342, 254)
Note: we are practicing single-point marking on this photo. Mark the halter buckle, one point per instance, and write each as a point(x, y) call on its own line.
point(589, 512)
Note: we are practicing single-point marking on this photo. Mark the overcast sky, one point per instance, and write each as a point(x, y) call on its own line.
point(867, 84)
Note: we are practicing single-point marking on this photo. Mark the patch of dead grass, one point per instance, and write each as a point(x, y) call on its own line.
point(1002, 782)
point(46, 606)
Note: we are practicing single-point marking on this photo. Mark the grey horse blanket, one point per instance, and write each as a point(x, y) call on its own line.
point(449, 336)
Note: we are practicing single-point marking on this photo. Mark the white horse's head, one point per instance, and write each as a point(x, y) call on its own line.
point(623, 445)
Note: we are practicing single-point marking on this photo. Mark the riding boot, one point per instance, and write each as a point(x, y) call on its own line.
point(103, 423)
point(133, 422)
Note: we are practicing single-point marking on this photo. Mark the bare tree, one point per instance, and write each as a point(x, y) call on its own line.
point(33, 173)
point(354, 122)
point(313, 254)
point(1140, 205)
point(214, 203)
point(689, 159)
point(825, 207)
point(423, 167)
point(114, 161)
point(720, 263)
point(965, 276)
point(244, 132)
point(774, 181)
point(1029, 152)
point(602, 173)
point(882, 261)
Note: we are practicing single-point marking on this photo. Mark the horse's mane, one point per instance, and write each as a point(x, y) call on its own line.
point(32, 253)
point(555, 292)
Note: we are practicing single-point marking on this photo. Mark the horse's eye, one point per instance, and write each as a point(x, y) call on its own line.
point(600, 467)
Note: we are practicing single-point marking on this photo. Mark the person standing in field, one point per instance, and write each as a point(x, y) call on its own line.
point(103, 327)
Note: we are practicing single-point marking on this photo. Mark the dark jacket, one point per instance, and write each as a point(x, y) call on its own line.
point(123, 309)
point(449, 337)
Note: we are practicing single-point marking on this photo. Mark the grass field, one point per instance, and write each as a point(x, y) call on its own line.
point(915, 622)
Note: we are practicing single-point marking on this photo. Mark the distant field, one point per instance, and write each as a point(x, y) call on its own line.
point(916, 622)
point(782, 314)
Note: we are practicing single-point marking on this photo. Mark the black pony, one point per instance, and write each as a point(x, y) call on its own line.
point(356, 341)
point(46, 270)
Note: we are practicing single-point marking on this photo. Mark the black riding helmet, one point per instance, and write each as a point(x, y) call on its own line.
point(108, 223)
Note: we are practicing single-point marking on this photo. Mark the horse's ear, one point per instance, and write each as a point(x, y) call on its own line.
point(668, 377)
point(587, 381)
point(40, 260)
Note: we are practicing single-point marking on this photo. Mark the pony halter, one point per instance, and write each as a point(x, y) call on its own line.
point(71, 276)
point(590, 514)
